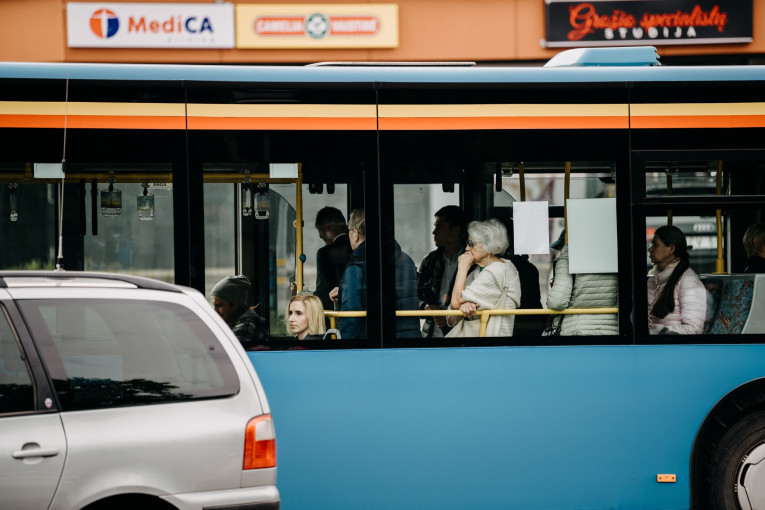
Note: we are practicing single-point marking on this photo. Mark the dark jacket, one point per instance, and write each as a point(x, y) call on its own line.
point(353, 294)
point(250, 329)
point(406, 295)
point(429, 279)
point(528, 325)
point(330, 265)
point(756, 264)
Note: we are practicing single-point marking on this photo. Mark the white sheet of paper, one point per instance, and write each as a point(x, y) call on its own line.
point(531, 228)
point(592, 235)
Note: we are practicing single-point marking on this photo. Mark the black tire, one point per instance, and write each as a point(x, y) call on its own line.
point(734, 446)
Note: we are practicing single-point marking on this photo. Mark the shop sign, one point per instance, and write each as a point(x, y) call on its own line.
point(317, 25)
point(143, 25)
point(647, 22)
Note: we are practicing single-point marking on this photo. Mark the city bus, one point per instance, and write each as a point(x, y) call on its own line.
point(190, 173)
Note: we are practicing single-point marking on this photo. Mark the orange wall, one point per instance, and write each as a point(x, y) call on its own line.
point(477, 30)
point(32, 30)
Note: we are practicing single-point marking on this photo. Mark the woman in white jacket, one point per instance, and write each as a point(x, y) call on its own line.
point(494, 284)
point(677, 300)
point(583, 291)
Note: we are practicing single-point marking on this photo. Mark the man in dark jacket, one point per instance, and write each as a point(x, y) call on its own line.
point(229, 299)
point(352, 292)
point(331, 258)
point(435, 278)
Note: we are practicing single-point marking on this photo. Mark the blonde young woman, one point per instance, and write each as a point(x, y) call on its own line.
point(305, 317)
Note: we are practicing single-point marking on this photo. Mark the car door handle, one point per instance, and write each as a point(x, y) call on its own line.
point(36, 452)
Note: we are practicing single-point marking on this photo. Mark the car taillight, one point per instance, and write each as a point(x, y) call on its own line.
point(259, 443)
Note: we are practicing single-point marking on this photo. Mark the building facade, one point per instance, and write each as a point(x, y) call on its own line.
point(500, 32)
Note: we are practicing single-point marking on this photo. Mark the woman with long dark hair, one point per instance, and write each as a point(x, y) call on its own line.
point(677, 300)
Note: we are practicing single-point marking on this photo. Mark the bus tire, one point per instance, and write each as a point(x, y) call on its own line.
point(742, 446)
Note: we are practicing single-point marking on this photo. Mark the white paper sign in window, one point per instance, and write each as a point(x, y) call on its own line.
point(531, 228)
point(592, 235)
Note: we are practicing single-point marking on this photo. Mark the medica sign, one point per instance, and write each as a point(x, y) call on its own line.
point(143, 25)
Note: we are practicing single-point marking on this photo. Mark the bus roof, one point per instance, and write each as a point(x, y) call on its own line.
point(376, 74)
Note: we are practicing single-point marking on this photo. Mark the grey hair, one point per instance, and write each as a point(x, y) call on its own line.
point(357, 222)
point(492, 234)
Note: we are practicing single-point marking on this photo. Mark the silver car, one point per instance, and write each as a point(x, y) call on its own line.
point(124, 392)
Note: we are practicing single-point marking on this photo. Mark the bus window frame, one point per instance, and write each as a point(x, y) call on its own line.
point(643, 206)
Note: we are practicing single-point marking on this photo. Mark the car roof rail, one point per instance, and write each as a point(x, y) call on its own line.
point(139, 281)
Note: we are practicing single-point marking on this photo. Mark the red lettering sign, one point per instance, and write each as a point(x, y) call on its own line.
point(584, 20)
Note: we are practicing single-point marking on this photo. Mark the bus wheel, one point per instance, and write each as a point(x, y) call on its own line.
point(737, 475)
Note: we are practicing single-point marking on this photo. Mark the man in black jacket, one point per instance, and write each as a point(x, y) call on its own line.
point(435, 277)
point(331, 258)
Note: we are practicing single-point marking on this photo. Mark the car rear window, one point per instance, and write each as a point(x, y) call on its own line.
point(107, 353)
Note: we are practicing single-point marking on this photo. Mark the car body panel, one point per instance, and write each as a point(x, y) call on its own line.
point(30, 482)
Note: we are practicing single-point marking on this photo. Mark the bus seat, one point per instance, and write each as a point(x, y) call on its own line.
point(756, 321)
point(732, 297)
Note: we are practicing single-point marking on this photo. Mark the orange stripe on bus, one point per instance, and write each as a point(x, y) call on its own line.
point(699, 121)
point(284, 123)
point(32, 121)
point(92, 122)
point(386, 123)
point(455, 123)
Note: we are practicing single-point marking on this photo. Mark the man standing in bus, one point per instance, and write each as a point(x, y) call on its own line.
point(331, 258)
point(352, 292)
point(435, 278)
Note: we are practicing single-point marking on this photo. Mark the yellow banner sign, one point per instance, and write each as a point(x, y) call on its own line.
point(316, 25)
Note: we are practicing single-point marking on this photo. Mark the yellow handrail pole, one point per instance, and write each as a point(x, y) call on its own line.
point(484, 323)
point(299, 228)
point(669, 193)
point(522, 176)
point(566, 189)
point(719, 262)
point(332, 322)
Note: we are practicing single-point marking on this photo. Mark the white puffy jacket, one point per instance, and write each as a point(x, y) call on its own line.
point(691, 297)
point(584, 291)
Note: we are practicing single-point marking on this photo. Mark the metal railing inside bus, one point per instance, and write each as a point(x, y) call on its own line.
point(482, 314)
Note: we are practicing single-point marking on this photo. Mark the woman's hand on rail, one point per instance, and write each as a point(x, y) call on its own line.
point(468, 309)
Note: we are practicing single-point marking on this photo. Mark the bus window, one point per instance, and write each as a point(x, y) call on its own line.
point(546, 182)
point(422, 237)
point(25, 208)
point(711, 203)
point(125, 242)
point(220, 232)
point(537, 181)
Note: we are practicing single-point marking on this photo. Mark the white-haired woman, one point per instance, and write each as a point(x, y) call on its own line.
point(493, 285)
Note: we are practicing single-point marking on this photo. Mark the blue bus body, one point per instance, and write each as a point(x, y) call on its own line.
point(495, 427)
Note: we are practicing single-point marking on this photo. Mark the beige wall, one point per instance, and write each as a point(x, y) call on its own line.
point(476, 30)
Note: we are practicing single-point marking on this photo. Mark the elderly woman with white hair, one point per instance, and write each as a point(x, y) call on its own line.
point(495, 283)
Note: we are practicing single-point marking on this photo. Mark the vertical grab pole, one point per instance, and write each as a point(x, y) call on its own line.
point(669, 193)
point(299, 256)
point(522, 176)
point(566, 190)
point(484, 322)
point(719, 262)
